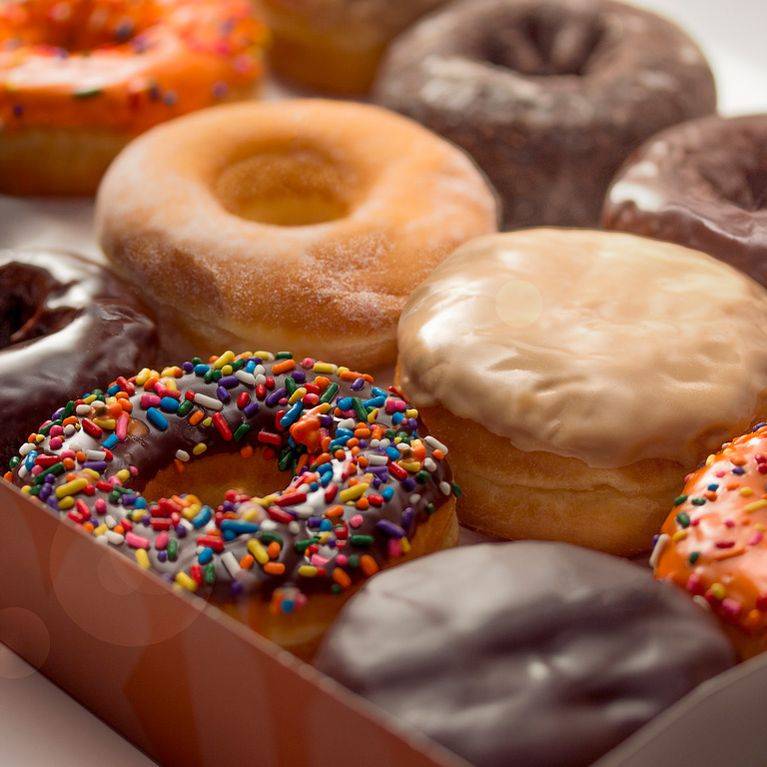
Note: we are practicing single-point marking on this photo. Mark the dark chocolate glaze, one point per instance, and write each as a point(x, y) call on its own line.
point(528, 654)
point(548, 96)
point(702, 184)
point(401, 494)
point(66, 325)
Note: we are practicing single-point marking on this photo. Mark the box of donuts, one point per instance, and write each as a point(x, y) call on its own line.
point(385, 382)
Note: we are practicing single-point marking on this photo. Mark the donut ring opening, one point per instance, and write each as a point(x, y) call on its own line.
point(539, 42)
point(23, 314)
point(284, 184)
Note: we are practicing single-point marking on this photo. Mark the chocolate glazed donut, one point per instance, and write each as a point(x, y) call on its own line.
point(549, 96)
point(66, 325)
point(702, 184)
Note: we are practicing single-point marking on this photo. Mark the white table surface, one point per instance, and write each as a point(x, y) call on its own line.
point(39, 724)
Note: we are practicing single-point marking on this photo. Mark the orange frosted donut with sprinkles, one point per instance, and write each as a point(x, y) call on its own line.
point(714, 542)
point(79, 78)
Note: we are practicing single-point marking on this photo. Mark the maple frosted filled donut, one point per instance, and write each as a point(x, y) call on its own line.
point(79, 78)
point(336, 44)
point(702, 184)
point(713, 542)
point(368, 487)
point(549, 96)
point(303, 224)
point(73, 321)
point(577, 374)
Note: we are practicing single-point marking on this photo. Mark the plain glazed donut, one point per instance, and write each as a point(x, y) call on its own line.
point(523, 654)
point(336, 45)
point(79, 79)
point(368, 486)
point(303, 224)
point(577, 374)
point(702, 184)
point(713, 543)
point(70, 321)
point(548, 96)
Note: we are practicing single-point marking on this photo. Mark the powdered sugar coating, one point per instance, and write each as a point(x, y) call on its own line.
point(408, 199)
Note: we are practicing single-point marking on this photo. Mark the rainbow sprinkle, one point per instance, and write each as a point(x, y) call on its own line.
point(362, 476)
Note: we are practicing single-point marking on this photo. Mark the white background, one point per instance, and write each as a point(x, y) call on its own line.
point(40, 725)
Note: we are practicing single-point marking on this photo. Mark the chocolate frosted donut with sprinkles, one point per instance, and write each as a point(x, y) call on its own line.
point(368, 487)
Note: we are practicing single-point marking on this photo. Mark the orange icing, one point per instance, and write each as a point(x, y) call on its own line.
point(717, 534)
point(122, 64)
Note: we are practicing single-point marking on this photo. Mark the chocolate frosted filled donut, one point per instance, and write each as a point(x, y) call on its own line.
point(702, 184)
point(549, 97)
point(66, 325)
point(525, 654)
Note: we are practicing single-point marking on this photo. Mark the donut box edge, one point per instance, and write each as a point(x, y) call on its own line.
point(177, 677)
point(187, 684)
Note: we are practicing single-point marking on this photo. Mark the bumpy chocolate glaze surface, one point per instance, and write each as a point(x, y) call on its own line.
point(702, 184)
point(548, 96)
point(66, 325)
point(528, 654)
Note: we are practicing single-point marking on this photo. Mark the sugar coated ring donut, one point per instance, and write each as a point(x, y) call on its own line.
point(365, 479)
point(549, 96)
point(302, 223)
point(78, 79)
point(336, 45)
point(73, 321)
point(714, 542)
point(702, 184)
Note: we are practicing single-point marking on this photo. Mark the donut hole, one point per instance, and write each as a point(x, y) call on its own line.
point(744, 187)
point(209, 479)
point(284, 186)
point(23, 315)
point(545, 43)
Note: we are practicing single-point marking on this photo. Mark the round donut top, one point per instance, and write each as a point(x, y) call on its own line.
point(600, 346)
point(565, 66)
point(364, 475)
point(713, 543)
point(288, 213)
point(71, 320)
point(470, 644)
point(702, 184)
point(125, 64)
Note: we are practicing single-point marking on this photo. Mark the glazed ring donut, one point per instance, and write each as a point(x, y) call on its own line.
point(336, 45)
point(303, 224)
point(78, 79)
point(713, 543)
point(577, 374)
point(702, 184)
point(549, 96)
point(368, 487)
point(73, 322)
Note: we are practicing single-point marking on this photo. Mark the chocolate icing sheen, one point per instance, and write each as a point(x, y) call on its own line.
point(702, 184)
point(66, 325)
point(527, 654)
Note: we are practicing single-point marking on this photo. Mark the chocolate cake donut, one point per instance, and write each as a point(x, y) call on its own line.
point(526, 654)
point(702, 184)
point(72, 323)
point(549, 97)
